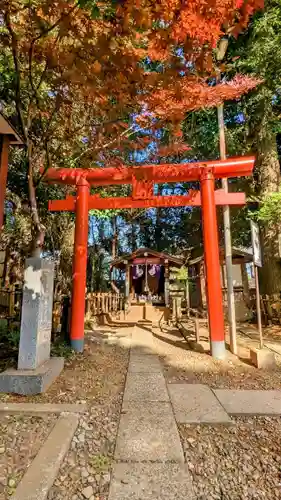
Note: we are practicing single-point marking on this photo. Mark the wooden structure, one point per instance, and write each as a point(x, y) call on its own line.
point(8, 136)
point(147, 278)
point(104, 303)
point(143, 179)
point(241, 281)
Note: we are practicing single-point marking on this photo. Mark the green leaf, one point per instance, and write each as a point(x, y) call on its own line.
point(95, 12)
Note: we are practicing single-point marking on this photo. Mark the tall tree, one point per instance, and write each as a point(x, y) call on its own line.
point(261, 56)
point(253, 123)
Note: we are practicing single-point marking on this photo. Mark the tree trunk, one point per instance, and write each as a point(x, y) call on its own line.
point(268, 170)
point(114, 238)
point(133, 236)
point(158, 230)
point(39, 230)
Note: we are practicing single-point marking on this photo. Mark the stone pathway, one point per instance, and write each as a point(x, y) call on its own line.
point(149, 459)
point(149, 454)
point(196, 404)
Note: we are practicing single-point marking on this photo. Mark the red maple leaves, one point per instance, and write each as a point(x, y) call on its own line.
point(82, 76)
point(190, 94)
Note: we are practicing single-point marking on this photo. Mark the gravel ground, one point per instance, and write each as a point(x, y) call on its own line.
point(184, 365)
point(241, 462)
point(98, 377)
point(20, 440)
point(85, 472)
point(91, 377)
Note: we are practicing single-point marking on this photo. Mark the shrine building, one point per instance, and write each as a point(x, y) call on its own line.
point(148, 276)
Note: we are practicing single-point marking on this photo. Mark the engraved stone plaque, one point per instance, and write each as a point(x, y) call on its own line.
point(37, 308)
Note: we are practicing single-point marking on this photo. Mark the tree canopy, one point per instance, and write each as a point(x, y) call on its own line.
point(107, 83)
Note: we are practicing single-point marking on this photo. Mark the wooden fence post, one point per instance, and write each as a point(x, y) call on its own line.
point(12, 301)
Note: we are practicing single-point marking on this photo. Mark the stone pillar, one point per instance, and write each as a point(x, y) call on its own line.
point(178, 308)
point(37, 310)
point(36, 370)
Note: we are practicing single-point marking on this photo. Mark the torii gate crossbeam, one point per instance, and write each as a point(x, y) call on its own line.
point(143, 179)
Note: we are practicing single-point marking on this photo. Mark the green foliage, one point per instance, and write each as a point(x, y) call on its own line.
point(13, 337)
point(182, 274)
point(101, 463)
point(9, 337)
point(270, 208)
point(251, 122)
point(61, 349)
point(104, 214)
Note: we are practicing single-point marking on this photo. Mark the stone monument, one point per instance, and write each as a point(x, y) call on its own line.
point(36, 370)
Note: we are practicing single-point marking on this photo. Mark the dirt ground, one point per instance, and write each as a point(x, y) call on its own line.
point(93, 377)
point(182, 364)
point(97, 378)
point(21, 437)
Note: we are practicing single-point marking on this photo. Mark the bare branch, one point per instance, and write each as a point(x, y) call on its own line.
point(108, 144)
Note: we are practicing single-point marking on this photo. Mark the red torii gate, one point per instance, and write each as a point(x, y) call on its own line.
point(142, 178)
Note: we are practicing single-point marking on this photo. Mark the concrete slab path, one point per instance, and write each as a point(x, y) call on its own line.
point(144, 363)
point(250, 402)
point(151, 481)
point(148, 432)
point(34, 408)
point(41, 474)
point(149, 459)
point(149, 456)
point(148, 442)
point(196, 404)
point(145, 387)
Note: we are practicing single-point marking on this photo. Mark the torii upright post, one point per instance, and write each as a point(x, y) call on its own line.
point(212, 264)
point(80, 266)
point(142, 179)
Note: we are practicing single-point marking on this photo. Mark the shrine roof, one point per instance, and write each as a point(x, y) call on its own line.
point(6, 128)
point(239, 254)
point(121, 262)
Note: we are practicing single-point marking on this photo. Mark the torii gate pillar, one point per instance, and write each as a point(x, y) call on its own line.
point(80, 265)
point(212, 264)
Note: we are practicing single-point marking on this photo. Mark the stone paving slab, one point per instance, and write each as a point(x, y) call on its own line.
point(41, 474)
point(151, 482)
point(141, 349)
point(144, 363)
point(250, 402)
point(145, 387)
point(196, 404)
point(42, 408)
point(148, 432)
point(142, 341)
